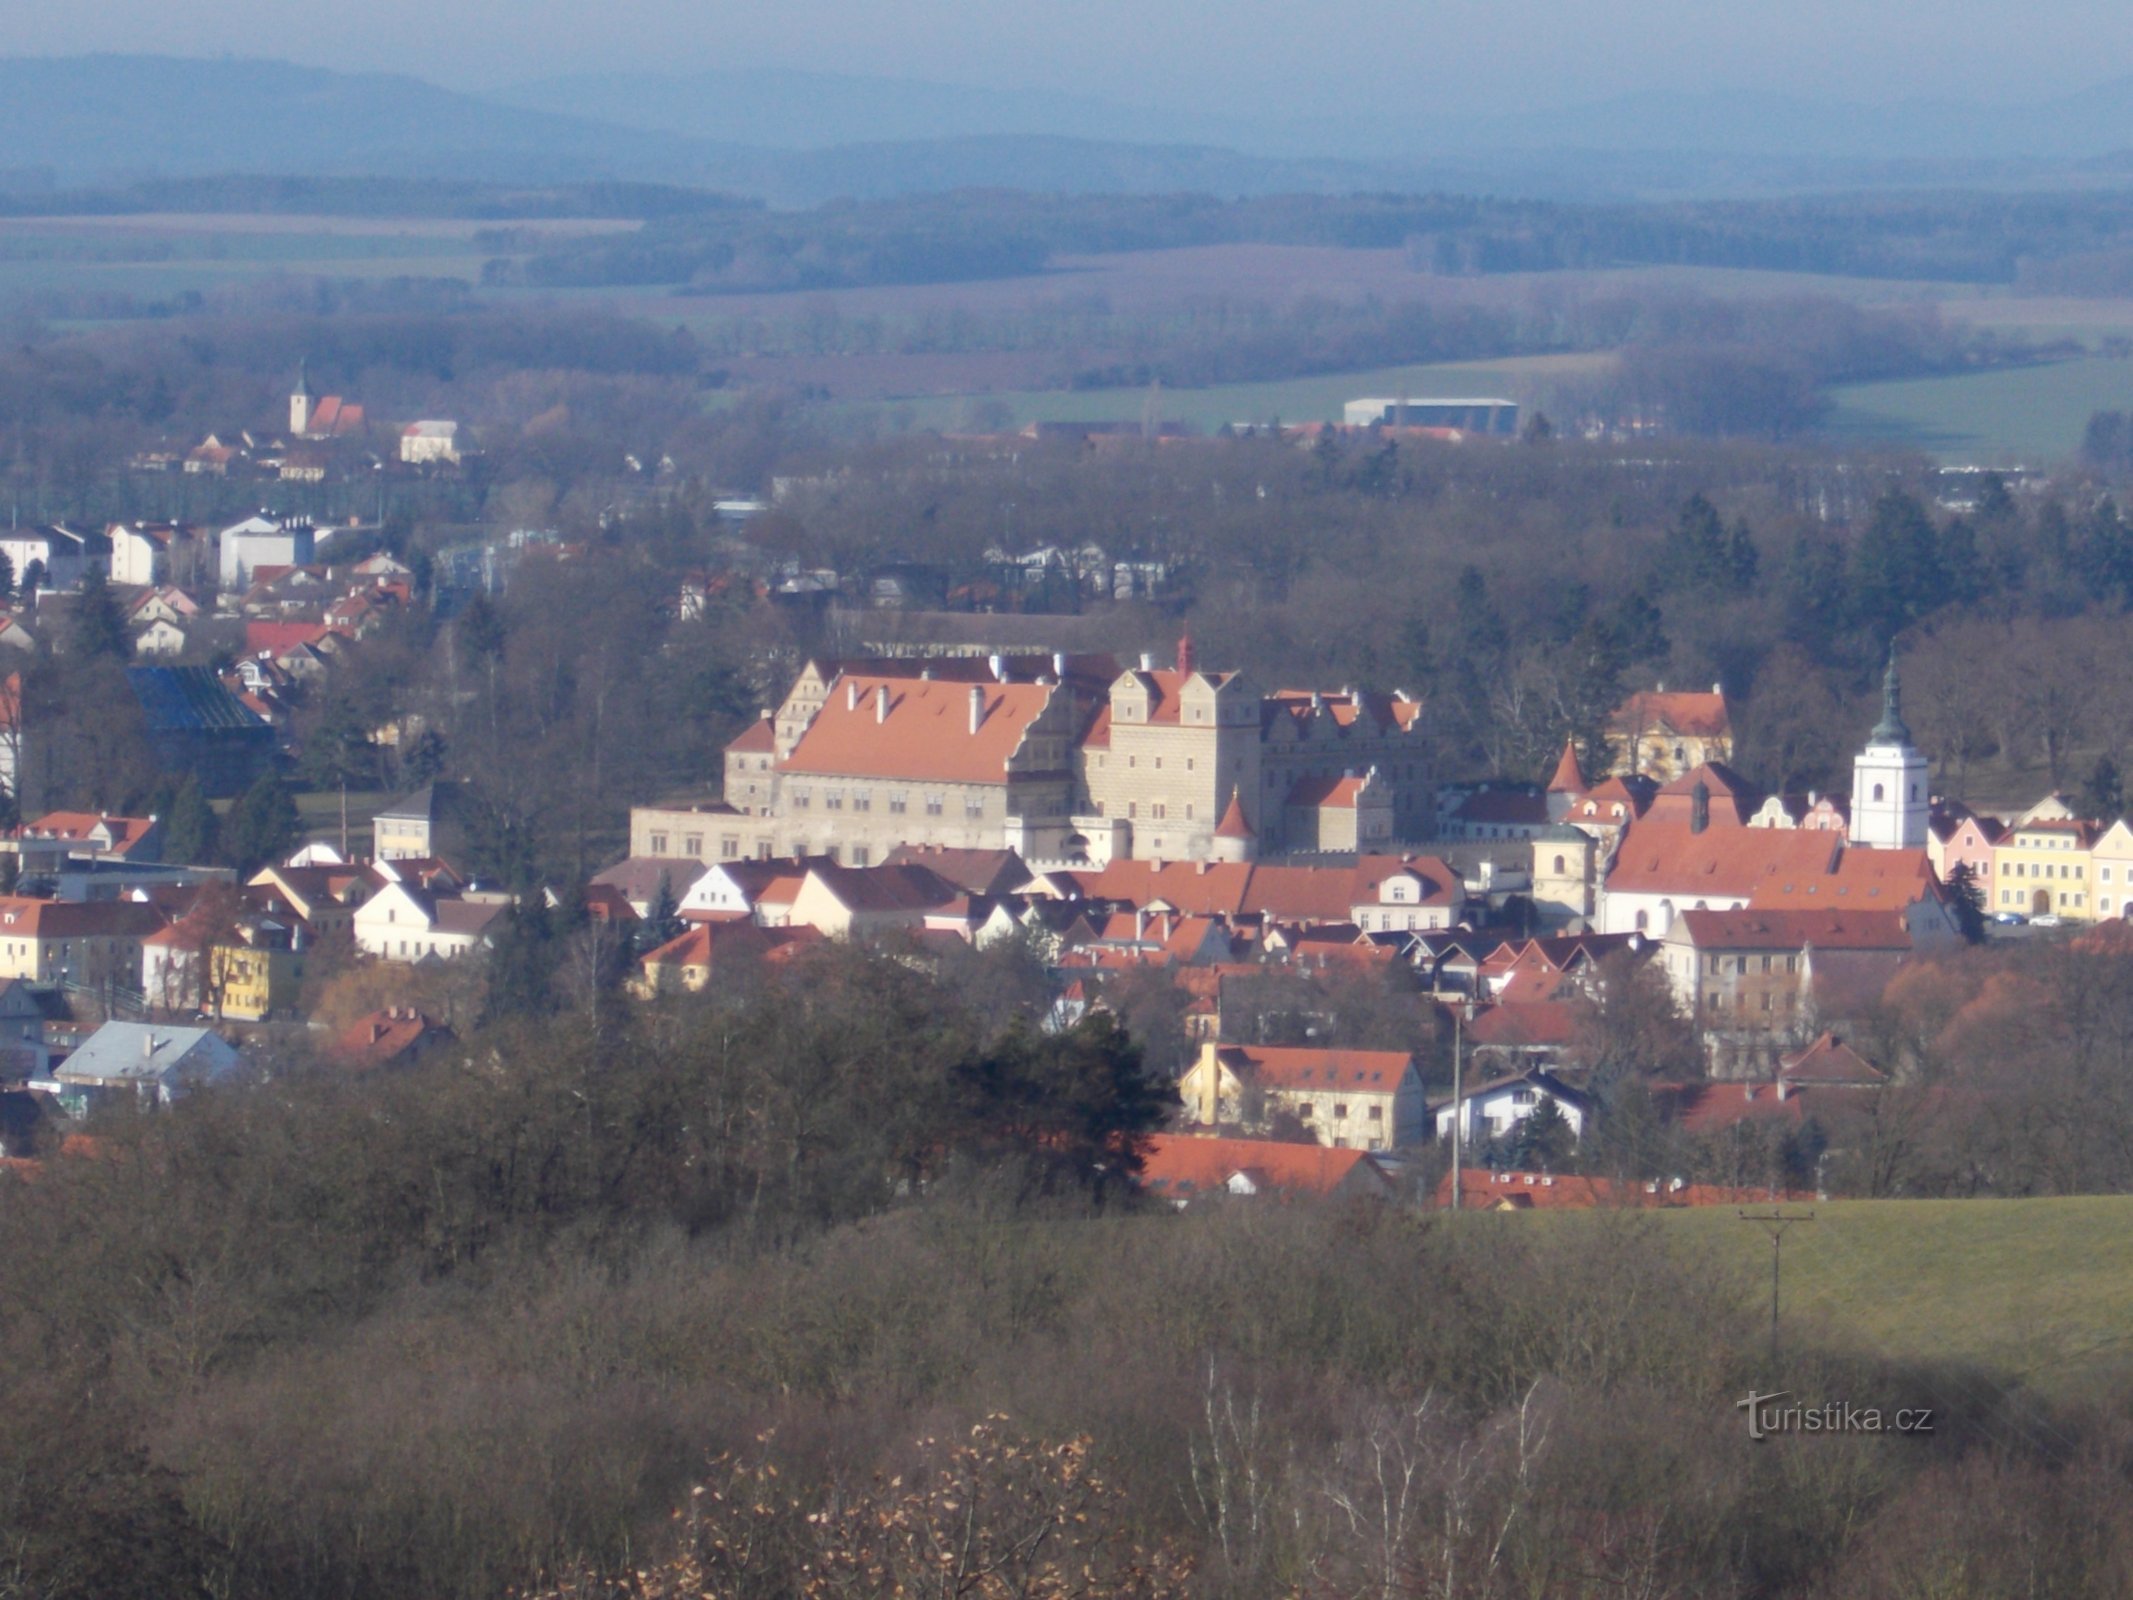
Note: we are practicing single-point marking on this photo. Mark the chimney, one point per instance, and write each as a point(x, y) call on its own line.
point(148, 1044)
point(1147, 662)
point(851, 695)
point(1059, 664)
point(881, 703)
point(997, 665)
point(977, 707)
point(1187, 661)
point(1140, 923)
point(1699, 807)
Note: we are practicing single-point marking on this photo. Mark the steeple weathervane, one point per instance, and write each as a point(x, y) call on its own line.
point(1890, 729)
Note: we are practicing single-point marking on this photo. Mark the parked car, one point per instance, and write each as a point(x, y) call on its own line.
point(2009, 919)
point(2047, 921)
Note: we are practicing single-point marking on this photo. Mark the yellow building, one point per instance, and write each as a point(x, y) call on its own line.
point(2043, 866)
point(1663, 734)
point(255, 982)
point(2112, 863)
point(1350, 1099)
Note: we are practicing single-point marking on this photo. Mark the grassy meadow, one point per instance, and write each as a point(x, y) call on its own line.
point(2037, 1290)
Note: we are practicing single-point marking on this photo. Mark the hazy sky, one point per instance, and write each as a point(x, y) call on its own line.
point(1372, 56)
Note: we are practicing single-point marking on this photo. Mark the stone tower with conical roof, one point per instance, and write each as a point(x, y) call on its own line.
point(1889, 799)
point(1234, 838)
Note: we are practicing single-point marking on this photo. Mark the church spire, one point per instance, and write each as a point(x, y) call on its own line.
point(1890, 729)
point(303, 377)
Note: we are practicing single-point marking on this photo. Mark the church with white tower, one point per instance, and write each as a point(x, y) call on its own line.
point(1889, 787)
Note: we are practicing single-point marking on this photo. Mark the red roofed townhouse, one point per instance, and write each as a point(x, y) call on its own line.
point(851, 902)
point(1755, 979)
point(1183, 1168)
point(61, 836)
point(1352, 1099)
point(687, 964)
point(1664, 734)
point(398, 1036)
point(2043, 866)
point(1959, 837)
point(89, 944)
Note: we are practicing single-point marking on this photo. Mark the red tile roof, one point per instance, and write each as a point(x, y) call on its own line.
point(1569, 778)
point(1830, 928)
point(25, 918)
point(1234, 824)
point(279, 638)
point(1829, 1060)
point(384, 1037)
point(1777, 866)
point(1338, 793)
point(1181, 1166)
point(926, 735)
point(74, 827)
point(1702, 716)
point(760, 737)
point(1282, 1067)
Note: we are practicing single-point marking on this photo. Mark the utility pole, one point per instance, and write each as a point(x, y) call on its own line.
point(1459, 1016)
point(1776, 1221)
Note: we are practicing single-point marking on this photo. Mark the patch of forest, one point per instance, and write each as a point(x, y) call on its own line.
point(944, 238)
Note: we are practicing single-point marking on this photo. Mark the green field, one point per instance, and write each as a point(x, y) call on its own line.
point(2038, 1290)
point(1316, 399)
point(2027, 415)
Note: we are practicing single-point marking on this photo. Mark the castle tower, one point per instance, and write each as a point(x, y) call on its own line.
point(1889, 800)
point(300, 402)
point(1234, 838)
point(1568, 785)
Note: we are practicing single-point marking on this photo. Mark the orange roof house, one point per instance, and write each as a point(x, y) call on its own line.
point(1363, 1099)
point(1663, 734)
point(1183, 1168)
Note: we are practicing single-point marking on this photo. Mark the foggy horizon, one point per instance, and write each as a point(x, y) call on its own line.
point(1381, 62)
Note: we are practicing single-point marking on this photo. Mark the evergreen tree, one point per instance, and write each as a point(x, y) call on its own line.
point(97, 625)
point(1962, 566)
point(522, 961)
point(190, 829)
point(1694, 555)
point(2104, 556)
point(7, 577)
point(1812, 592)
point(1896, 574)
point(1967, 900)
point(2104, 795)
point(1542, 1140)
point(263, 826)
point(664, 922)
point(1743, 560)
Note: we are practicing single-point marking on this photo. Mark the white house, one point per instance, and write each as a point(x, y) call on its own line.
point(422, 443)
point(59, 554)
point(405, 922)
point(1494, 1109)
point(264, 541)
